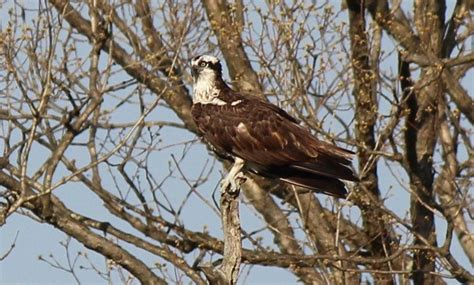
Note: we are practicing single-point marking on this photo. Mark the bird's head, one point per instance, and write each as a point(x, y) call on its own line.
point(206, 66)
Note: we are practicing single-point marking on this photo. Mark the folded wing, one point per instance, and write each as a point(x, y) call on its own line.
point(273, 144)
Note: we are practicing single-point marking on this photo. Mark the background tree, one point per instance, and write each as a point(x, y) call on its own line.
point(98, 141)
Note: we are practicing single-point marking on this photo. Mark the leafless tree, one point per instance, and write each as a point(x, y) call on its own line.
point(95, 99)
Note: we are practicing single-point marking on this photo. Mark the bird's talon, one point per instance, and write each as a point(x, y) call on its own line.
point(224, 185)
point(232, 184)
point(240, 179)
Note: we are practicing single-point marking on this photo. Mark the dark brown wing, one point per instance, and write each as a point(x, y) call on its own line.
point(270, 140)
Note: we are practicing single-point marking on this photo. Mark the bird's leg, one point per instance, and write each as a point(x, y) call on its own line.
point(234, 178)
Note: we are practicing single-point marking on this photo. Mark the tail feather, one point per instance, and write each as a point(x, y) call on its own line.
point(326, 168)
point(327, 185)
point(321, 183)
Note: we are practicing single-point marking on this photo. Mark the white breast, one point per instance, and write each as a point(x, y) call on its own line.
point(205, 91)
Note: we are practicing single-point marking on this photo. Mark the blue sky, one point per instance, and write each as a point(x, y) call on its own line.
point(36, 239)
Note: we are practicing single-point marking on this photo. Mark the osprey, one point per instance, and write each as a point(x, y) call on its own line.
point(262, 138)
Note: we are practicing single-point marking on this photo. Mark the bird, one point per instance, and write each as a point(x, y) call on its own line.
point(261, 138)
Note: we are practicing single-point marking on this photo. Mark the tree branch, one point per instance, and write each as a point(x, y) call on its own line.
point(232, 241)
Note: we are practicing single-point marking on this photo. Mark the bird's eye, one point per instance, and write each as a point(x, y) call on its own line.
point(202, 64)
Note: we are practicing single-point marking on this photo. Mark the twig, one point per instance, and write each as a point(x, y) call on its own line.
point(12, 246)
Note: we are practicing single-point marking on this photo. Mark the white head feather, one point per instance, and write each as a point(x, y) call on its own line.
point(204, 89)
